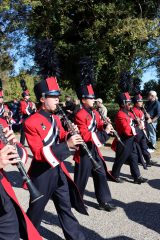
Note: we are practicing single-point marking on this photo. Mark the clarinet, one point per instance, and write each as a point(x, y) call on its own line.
point(34, 193)
point(106, 122)
point(96, 166)
point(137, 119)
point(150, 145)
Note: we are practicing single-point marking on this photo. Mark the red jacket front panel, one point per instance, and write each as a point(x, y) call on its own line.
point(25, 107)
point(124, 124)
point(84, 120)
point(38, 131)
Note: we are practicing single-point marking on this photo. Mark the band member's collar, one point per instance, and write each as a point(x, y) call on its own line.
point(89, 110)
point(45, 114)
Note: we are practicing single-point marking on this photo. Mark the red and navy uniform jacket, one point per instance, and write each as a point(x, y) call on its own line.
point(125, 126)
point(127, 130)
point(26, 108)
point(30, 229)
point(91, 128)
point(47, 140)
point(4, 108)
point(140, 114)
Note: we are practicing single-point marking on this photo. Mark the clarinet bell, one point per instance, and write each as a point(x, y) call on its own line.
point(35, 195)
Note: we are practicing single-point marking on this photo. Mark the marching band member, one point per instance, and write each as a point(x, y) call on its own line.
point(142, 135)
point(50, 146)
point(127, 131)
point(26, 108)
point(14, 223)
point(4, 110)
point(94, 134)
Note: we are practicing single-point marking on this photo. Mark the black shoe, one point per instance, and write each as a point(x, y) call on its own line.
point(107, 207)
point(151, 163)
point(140, 180)
point(119, 180)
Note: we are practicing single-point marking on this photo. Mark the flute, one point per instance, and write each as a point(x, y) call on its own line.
point(34, 193)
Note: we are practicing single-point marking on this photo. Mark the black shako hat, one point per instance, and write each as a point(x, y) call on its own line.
point(86, 91)
point(123, 98)
point(47, 87)
point(137, 98)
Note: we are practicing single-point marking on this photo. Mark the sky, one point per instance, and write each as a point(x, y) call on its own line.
point(149, 74)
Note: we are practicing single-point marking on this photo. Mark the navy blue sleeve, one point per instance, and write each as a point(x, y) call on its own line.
point(102, 136)
point(61, 151)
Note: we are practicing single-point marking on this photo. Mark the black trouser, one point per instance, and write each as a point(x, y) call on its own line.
point(128, 153)
point(143, 145)
point(22, 132)
point(9, 225)
point(22, 138)
point(82, 172)
point(53, 185)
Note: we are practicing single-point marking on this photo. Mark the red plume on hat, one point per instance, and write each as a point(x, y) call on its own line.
point(1, 89)
point(24, 88)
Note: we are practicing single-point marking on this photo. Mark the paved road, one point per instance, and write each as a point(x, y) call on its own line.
point(137, 216)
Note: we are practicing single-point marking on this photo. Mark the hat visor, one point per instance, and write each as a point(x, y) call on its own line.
point(53, 93)
point(88, 96)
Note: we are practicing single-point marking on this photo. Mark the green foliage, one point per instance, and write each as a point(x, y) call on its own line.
point(118, 35)
point(67, 92)
point(14, 90)
point(151, 85)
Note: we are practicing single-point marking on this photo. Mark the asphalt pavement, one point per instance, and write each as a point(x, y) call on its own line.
point(138, 206)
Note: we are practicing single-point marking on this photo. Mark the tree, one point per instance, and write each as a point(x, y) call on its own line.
point(13, 88)
point(117, 35)
point(151, 85)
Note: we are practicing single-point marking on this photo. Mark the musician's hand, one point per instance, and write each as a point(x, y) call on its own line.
point(138, 119)
point(9, 134)
point(109, 129)
point(8, 155)
point(74, 141)
point(141, 126)
point(149, 120)
point(75, 128)
point(108, 119)
point(5, 114)
point(148, 116)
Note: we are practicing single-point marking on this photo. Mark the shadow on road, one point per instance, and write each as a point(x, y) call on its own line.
point(89, 194)
point(146, 214)
point(108, 159)
point(90, 234)
point(154, 183)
